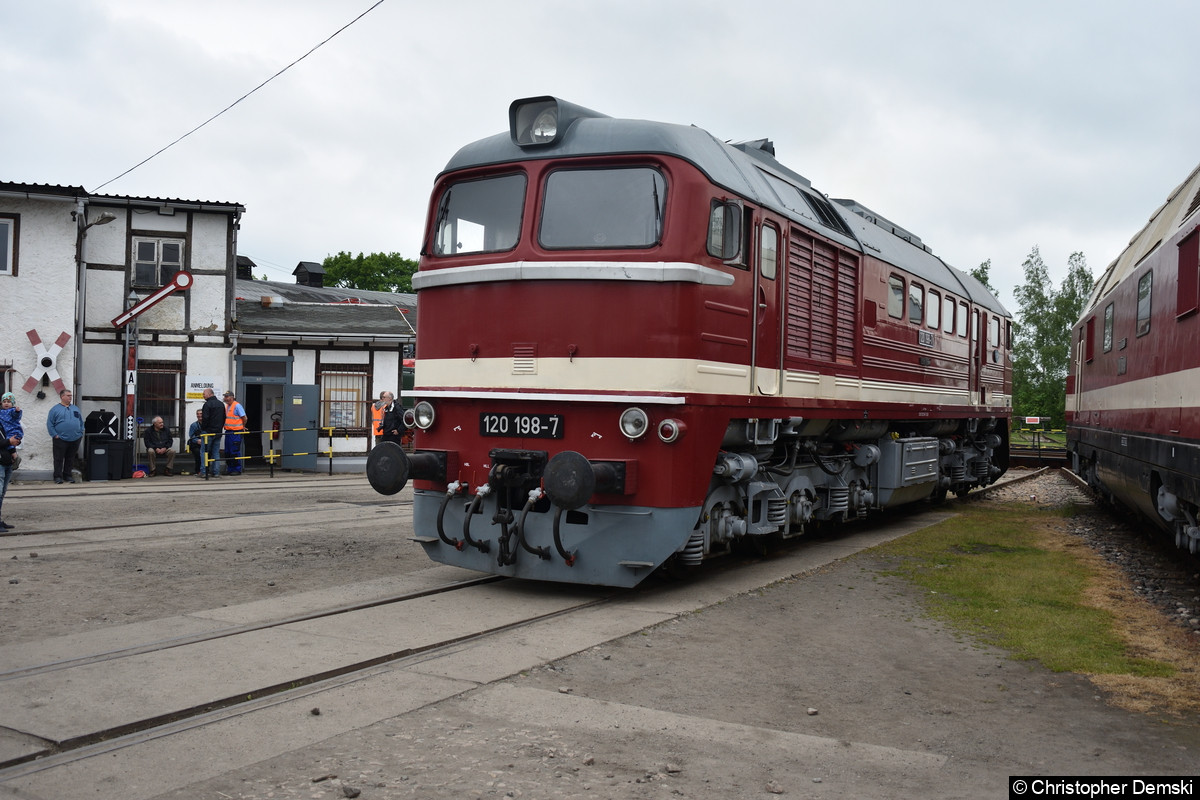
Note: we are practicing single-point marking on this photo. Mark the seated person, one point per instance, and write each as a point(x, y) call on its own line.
point(158, 443)
point(195, 442)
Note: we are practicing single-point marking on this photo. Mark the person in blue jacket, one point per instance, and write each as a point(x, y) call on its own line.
point(64, 423)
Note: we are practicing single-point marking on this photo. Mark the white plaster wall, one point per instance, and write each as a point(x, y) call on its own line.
point(41, 297)
point(304, 368)
point(208, 303)
point(345, 356)
point(386, 374)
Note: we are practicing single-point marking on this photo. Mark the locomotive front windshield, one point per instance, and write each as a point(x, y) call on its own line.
point(480, 216)
point(597, 208)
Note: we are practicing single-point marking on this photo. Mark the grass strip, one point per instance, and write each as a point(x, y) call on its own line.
point(995, 573)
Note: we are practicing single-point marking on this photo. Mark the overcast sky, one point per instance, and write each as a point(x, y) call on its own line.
point(984, 128)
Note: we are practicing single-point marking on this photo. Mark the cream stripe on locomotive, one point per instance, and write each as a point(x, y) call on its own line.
point(1173, 390)
point(668, 376)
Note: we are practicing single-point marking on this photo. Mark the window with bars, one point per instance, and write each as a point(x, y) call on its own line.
point(9, 228)
point(155, 261)
point(344, 398)
point(158, 392)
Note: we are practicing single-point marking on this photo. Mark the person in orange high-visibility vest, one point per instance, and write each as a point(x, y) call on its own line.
point(235, 426)
point(377, 414)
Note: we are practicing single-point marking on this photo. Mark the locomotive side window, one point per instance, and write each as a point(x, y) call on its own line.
point(896, 297)
point(916, 296)
point(1108, 327)
point(933, 307)
point(768, 252)
point(480, 216)
point(595, 208)
point(993, 331)
point(962, 320)
point(948, 314)
point(1145, 284)
point(725, 230)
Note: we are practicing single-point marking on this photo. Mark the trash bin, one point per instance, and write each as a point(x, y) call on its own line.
point(120, 459)
point(96, 455)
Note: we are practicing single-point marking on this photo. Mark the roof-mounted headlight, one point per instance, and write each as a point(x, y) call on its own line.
point(541, 121)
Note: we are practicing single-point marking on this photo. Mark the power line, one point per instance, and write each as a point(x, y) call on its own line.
point(243, 97)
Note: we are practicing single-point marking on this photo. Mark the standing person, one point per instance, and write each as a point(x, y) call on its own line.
point(195, 442)
point(10, 417)
point(393, 418)
point(212, 421)
point(64, 423)
point(235, 426)
point(377, 414)
point(11, 434)
point(158, 443)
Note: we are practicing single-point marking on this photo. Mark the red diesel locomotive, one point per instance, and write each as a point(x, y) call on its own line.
point(639, 344)
point(1133, 395)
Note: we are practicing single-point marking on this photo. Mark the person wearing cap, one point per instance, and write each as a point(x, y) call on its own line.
point(212, 422)
point(235, 426)
point(11, 434)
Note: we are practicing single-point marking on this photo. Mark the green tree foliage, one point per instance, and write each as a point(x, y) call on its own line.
point(377, 272)
point(1042, 350)
point(980, 274)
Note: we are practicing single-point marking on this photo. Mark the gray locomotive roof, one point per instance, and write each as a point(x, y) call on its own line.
point(749, 170)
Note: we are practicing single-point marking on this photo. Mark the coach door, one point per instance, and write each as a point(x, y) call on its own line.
point(767, 359)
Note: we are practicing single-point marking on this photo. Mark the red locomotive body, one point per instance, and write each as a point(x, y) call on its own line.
point(1133, 396)
point(638, 344)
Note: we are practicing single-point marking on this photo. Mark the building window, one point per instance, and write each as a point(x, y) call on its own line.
point(896, 297)
point(1108, 327)
point(1145, 284)
point(155, 261)
point(158, 393)
point(344, 398)
point(10, 226)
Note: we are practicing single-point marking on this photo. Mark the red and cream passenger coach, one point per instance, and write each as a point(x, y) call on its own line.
point(639, 344)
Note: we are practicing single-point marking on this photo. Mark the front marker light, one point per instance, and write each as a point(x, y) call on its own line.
point(423, 415)
point(634, 422)
point(669, 430)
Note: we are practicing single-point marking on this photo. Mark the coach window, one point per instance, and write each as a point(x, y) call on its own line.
point(1108, 327)
point(589, 209)
point(933, 307)
point(961, 321)
point(1145, 284)
point(896, 297)
point(948, 314)
point(9, 225)
point(916, 295)
point(993, 331)
point(768, 252)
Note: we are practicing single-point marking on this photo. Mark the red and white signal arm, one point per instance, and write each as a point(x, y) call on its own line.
point(1033, 420)
point(180, 282)
point(45, 359)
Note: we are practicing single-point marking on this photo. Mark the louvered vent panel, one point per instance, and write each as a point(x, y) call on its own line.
point(524, 359)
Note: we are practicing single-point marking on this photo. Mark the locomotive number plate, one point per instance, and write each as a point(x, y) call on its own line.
point(530, 426)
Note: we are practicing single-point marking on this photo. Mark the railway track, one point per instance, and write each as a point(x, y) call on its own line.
point(192, 686)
